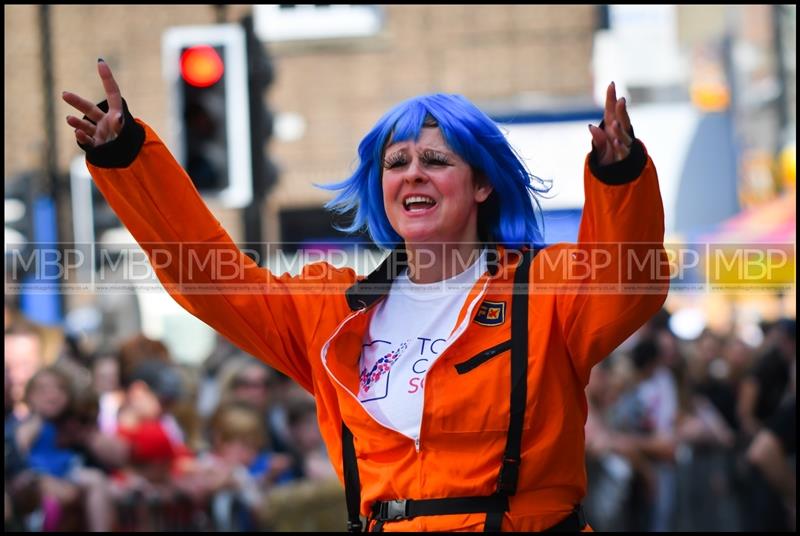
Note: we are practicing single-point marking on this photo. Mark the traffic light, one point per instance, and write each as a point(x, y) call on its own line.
point(206, 69)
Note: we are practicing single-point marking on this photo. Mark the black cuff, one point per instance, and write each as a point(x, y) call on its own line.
point(122, 151)
point(625, 170)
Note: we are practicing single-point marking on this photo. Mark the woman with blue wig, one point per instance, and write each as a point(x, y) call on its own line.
point(449, 382)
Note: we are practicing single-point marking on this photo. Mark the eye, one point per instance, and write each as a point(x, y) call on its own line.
point(433, 158)
point(394, 160)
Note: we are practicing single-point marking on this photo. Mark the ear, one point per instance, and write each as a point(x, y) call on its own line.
point(483, 188)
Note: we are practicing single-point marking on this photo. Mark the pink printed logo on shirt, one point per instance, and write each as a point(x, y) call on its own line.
point(381, 367)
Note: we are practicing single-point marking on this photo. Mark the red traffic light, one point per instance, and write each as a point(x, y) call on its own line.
point(201, 66)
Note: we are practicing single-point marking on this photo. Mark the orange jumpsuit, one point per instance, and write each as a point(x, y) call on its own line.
point(309, 328)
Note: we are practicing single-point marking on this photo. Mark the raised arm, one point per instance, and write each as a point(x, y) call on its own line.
point(269, 317)
point(621, 241)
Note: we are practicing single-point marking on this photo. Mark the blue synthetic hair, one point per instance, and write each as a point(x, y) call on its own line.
point(507, 217)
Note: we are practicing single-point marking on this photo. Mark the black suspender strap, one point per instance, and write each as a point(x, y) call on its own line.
point(352, 484)
point(509, 472)
point(409, 508)
point(507, 482)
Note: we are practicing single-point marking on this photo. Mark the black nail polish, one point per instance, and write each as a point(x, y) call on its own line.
point(99, 60)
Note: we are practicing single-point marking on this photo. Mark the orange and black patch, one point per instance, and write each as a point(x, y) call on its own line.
point(491, 313)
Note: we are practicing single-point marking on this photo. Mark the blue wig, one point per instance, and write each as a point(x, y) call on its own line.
point(507, 217)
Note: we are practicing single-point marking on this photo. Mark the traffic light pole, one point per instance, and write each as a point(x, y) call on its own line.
point(52, 185)
point(49, 203)
point(259, 76)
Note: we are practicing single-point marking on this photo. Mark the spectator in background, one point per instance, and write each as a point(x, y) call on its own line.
point(24, 355)
point(765, 385)
point(21, 486)
point(707, 434)
point(10, 313)
point(239, 467)
point(709, 376)
point(773, 456)
point(105, 373)
point(783, 336)
point(609, 473)
point(65, 480)
point(160, 466)
point(774, 453)
point(301, 414)
point(209, 391)
point(137, 349)
point(739, 358)
point(107, 386)
point(151, 388)
point(643, 421)
point(247, 380)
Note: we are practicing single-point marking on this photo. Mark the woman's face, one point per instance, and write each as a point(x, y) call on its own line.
point(252, 386)
point(429, 192)
point(48, 397)
point(106, 375)
point(237, 451)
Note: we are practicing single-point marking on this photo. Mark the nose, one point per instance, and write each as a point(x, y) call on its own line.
point(415, 174)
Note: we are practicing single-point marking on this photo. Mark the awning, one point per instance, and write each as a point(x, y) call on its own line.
point(773, 222)
point(752, 251)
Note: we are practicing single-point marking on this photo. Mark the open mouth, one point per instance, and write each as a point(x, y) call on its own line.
point(415, 203)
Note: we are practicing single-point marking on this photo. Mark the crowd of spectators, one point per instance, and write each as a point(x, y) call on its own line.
point(694, 435)
point(125, 439)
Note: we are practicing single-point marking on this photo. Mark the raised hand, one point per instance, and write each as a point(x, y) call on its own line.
point(101, 127)
point(613, 141)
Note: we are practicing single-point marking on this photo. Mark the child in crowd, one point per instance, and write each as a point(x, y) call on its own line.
point(239, 467)
point(65, 481)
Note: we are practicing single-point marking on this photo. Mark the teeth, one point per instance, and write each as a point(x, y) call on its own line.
point(418, 199)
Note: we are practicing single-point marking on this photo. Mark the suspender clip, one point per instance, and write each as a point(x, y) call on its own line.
point(393, 510)
point(509, 475)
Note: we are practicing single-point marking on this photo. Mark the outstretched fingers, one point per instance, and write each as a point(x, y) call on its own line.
point(89, 109)
point(622, 114)
point(111, 88)
point(81, 124)
point(610, 111)
point(599, 137)
point(98, 127)
point(83, 138)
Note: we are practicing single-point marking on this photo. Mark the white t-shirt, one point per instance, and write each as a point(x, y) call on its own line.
point(408, 332)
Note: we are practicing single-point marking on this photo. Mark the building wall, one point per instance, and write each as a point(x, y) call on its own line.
point(491, 54)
